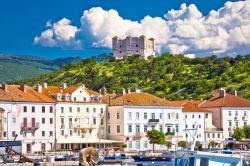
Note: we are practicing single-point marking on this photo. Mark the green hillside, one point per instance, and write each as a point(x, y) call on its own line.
point(172, 77)
point(13, 67)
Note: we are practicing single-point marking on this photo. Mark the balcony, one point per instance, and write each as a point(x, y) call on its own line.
point(213, 129)
point(235, 118)
point(30, 126)
point(244, 118)
point(170, 134)
point(153, 120)
point(84, 126)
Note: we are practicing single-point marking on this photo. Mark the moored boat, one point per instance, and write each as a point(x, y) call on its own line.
point(143, 156)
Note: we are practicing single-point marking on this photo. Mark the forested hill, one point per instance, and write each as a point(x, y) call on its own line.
point(172, 77)
point(16, 67)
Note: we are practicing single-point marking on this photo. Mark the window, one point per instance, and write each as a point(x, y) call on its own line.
point(145, 128)
point(169, 116)
point(245, 123)
point(230, 123)
point(186, 126)
point(176, 116)
point(236, 124)
point(24, 108)
point(192, 116)
point(236, 113)
point(137, 115)
point(118, 130)
point(51, 109)
point(62, 132)
point(161, 128)
point(43, 109)
point(186, 116)
point(245, 113)
point(13, 133)
point(70, 132)
point(186, 135)
point(78, 109)
point(13, 120)
point(130, 128)
point(137, 128)
point(153, 126)
point(101, 110)
point(109, 129)
point(145, 115)
point(130, 144)
point(70, 109)
point(206, 115)
point(130, 115)
point(84, 99)
point(193, 126)
point(33, 134)
point(51, 120)
point(94, 110)
point(177, 128)
point(152, 115)
point(199, 125)
point(62, 109)
point(74, 98)
point(117, 115)
point(87, 109)
point(208, 135)
point(160, 115)
point(43, 133)
point(145, 144)
point(94, 121)
point(108, 115)
point(137, 144)
point(229, 113)
point(101, 121)
point(51, 133)
point(213, 135)
point(43, 147)
point(33, 109)
point(199, 116)
point(218, 135)
point(43, 120)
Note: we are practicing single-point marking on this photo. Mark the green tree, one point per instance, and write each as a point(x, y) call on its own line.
point(246, 130)
point(156, 137)
point(212, 144)
point(168, 144)
point(183, 144)
point(238, 133)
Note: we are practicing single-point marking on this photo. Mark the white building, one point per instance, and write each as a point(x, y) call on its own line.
point(133, 45)
point(229, 111)
point(80, 117)
point(132, 114)
point(29, 114)
point(200, 119)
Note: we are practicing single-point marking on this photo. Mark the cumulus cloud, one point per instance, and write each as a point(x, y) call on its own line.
point(187, 31)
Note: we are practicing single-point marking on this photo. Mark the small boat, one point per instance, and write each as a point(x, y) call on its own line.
point(144, 156)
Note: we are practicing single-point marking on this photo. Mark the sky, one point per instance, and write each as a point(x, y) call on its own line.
point(60, 28)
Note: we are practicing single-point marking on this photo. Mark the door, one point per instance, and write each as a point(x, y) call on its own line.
point(24, 122)
point(28, 148)
point(33, 122)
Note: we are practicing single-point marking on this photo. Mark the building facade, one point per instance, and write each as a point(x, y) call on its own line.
point(133, 46)
point(28, 114)
point(132, 114)
point(229, 111)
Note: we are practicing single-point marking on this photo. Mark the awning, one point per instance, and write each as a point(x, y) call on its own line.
point(87, 141)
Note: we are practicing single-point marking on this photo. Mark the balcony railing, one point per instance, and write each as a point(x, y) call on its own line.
point(170, 134)
point(213, 129)
point(30, 126)
point(84, 126)
point(153, 120)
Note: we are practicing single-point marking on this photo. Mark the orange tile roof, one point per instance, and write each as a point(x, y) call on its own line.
point(139, 99)
point(190, 107)
point(14, 93)
point(228, 101)
point(71, 89)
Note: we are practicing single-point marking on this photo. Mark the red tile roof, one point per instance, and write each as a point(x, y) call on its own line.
point(139, 99)
point(228, 101)
point(190, 107)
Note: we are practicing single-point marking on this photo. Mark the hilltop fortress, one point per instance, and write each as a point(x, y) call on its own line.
point(133, 45)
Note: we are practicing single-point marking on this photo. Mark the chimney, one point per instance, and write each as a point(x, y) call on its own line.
point(39, 88)
point(5, 87)
point(64, 86)
point(137, 90)
point(222, 92)
point(123, 91)
point(103, 90)
point(44, 85)
point(23, 88)
point(234, 92)
point(129, 91)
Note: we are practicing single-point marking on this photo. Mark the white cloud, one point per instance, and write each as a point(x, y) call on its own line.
point(225, 31)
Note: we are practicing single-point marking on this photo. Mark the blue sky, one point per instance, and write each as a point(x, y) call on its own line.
point(23, 20)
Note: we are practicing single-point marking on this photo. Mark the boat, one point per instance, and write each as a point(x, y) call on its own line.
point(144, 156)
